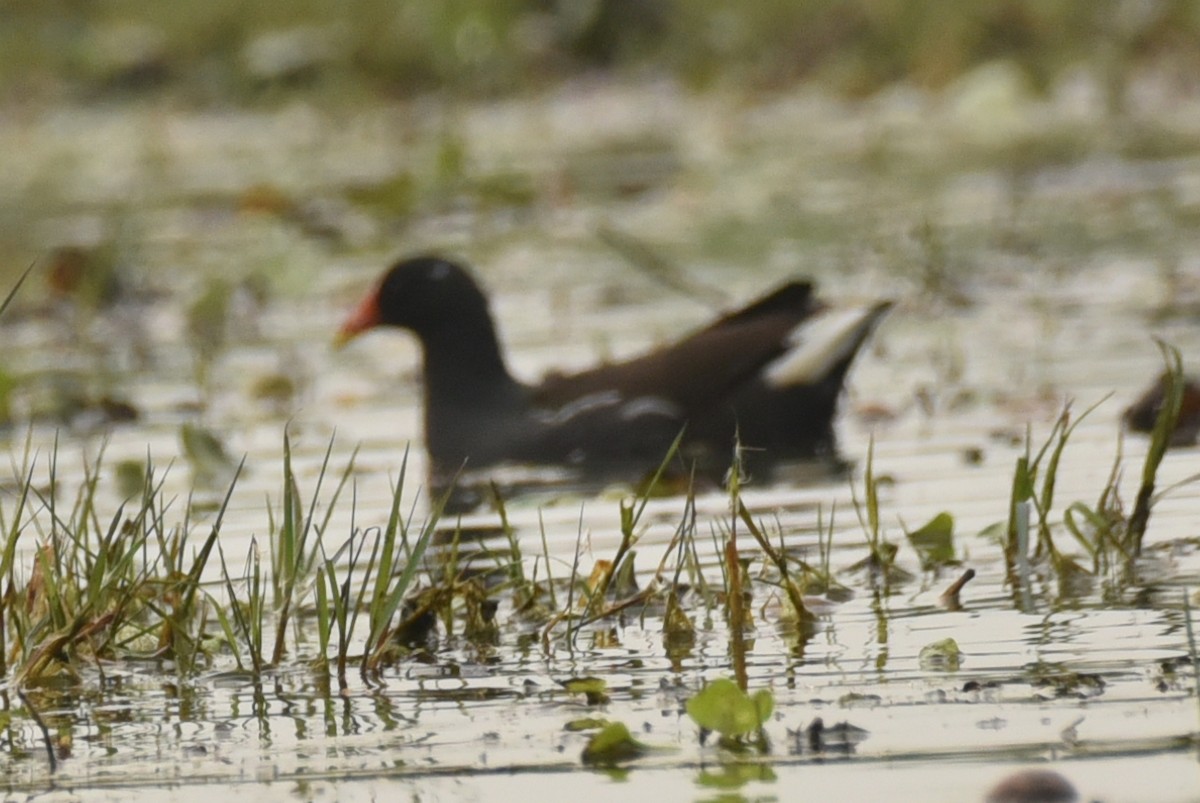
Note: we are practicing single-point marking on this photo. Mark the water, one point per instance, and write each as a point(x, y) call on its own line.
point(1031, 266)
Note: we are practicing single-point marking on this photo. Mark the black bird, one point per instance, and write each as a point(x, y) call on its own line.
point(767, 375)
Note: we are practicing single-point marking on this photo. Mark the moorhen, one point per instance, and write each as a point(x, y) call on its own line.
point(767, 375)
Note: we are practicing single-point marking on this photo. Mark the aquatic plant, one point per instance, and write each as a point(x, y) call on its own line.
point(736, 581)
point(631, 514)
point(613, 744)
point(724, 707)
point(880, 564)
point(134, 586)
point(99, 592)
point(604, 579)
point(293, 556)
point(934, 542)
point(1111, 538)
point(779, 559)
point(1160, 439)
point(941, 655)
point(337, 606)
point(399, 561)
point(243, 619)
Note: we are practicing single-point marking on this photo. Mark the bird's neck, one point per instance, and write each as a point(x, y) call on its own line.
point(464, 364)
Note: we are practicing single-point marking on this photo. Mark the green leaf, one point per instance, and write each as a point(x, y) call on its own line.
point(585, 724)
point(764, 705)
point(935, 541)
point(595, 690)
point(723, 707)
point(585, 685)
point(612, 745)
point(941, 655)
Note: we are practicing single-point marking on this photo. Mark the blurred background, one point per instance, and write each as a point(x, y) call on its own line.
point(124, 102)
point(226, 52)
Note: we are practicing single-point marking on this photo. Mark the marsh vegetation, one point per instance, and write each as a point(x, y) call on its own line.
point(220, 560)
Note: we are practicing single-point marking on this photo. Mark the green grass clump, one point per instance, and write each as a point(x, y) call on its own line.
point(99, 592)
point(1111, 538)
point(83, 588)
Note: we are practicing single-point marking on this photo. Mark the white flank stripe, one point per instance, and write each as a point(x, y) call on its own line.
point(584, 404)
point(644, 406)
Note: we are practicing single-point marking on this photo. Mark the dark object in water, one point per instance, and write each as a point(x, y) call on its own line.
point(840, 739)
point(768, 374)
point(1033, 786)
point(1142, 414)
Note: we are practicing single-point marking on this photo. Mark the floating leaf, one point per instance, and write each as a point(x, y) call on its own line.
point(613, 745)
point(941, 655)
point(723, 707)
point(935, 541)
point(594, 689)
point(585, 724)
